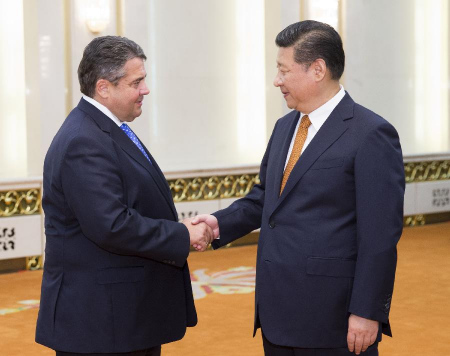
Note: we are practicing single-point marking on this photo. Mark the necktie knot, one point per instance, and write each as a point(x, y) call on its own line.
point(306, 122)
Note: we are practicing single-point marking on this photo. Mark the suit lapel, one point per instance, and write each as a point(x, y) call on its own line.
point(335, 125)
point(164, 186)
point(129, 147)
point(280, 156)
point(120, 137)
point(133, 151)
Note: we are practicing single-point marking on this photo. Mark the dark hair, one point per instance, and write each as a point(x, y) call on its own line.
point(104, 58)
point(312, 40)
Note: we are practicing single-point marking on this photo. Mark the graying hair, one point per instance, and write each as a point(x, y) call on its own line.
point(104, 58)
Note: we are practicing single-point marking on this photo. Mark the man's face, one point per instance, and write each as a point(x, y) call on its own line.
point(296, 81)
point(126, 97)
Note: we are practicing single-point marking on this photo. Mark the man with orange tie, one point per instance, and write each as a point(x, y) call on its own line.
point(329, 205)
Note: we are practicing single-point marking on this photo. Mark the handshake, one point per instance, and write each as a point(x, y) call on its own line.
point(203, 229)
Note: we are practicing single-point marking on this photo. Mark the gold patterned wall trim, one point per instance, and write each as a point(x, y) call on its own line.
point(20, 202)
point(215, 187)
point(426, 171)
point(414, 220)
point(34, 263)
point(425, 219)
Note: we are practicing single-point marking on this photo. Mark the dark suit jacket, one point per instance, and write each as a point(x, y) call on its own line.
point(115, 275)
point(327, 246)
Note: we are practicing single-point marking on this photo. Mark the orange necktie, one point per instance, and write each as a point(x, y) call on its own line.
point(300, 139)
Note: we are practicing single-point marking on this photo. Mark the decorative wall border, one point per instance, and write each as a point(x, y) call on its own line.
point(213, 187)
point(426, 171)
point(424, 219)
point(34, 263)
point(20, 202)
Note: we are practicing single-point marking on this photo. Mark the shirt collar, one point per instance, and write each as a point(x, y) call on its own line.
point(103, 109)
point(319, 116)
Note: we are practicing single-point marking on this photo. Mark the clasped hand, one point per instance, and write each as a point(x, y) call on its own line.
point(203, 229)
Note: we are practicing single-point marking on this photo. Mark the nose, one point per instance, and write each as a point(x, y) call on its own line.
point(144, 90)
point(277, 81)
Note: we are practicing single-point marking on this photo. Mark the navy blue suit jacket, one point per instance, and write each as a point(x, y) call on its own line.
point(115, 275)
point(327, 246)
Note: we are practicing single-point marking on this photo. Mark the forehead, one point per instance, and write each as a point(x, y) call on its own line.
point(134, 68)
point(285, 56)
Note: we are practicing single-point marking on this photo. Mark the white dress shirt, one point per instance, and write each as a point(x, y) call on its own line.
point(317, 118)
point(103, 109)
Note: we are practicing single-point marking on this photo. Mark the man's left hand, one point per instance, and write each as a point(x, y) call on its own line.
point(361, 334)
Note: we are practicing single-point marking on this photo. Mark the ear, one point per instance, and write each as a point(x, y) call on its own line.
point(319, 68)
point(102, 88)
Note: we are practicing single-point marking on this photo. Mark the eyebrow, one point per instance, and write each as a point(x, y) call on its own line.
point(139, 79)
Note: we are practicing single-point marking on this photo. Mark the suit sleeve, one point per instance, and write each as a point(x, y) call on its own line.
point(380, 186)
point(95, 193)
point(245, 214)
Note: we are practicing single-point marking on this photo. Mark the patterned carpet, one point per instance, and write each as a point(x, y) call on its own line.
point(223, 283)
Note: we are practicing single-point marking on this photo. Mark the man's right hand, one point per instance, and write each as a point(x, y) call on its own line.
point(210, 220)
point(200, 235)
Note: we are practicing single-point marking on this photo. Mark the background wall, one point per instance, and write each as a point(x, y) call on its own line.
point(397, 65)
point(211, 65)
point(12, 91)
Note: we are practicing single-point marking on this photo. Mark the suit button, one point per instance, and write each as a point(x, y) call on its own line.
point(271, 224)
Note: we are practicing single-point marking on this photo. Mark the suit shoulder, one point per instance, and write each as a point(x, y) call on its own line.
point(368, 117)
point(80, 124)
point(78, 128)
point(371, 128)
point(367, 121)
point(69, 129)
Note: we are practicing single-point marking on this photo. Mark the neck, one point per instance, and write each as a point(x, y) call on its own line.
point(325, 94)
point(100, 100)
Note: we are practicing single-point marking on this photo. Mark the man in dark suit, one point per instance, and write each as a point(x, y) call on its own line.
point(330, 209)
point(115, 280)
